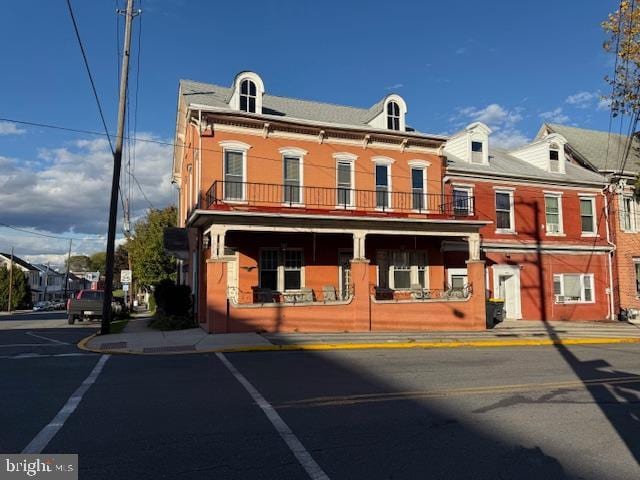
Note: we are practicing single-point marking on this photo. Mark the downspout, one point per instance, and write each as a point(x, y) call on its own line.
point(610, 255)
point(199, 170)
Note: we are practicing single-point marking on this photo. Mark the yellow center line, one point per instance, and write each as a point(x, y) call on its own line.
point(394, 396)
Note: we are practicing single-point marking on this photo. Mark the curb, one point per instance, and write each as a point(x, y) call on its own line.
point(376, 346)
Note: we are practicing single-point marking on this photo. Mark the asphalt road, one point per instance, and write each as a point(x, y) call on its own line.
point(30, 315)
point(497, 413)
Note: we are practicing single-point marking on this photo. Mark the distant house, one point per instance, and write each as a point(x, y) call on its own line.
point(50, 284)
point(31, 273)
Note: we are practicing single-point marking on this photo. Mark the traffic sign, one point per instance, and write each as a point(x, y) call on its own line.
point(125, 276)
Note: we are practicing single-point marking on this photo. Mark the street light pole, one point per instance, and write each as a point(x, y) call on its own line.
point(117, 165)
point(10, 281)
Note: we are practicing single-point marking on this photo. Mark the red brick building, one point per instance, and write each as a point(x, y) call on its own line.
point(605, 153)
point(546, 247)
point(305, 216)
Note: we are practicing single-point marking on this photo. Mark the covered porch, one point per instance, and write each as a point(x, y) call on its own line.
point(281, 275)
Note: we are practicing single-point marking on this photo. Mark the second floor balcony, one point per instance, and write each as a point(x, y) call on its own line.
point(338, 200)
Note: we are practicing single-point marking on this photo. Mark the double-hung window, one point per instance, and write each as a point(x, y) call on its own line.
point(627, 213)
point(406, 268)
point(233, 175)
point(292, 179)
point(587, 218)
point(504, 211)
point(553, 213)
point(554, 160)
point(476, 152)
point(383, 190)
point(636, 264)
point(281, 270)
point(573, 288)
point(462, 203)
point(344, 174)
point(418, 189)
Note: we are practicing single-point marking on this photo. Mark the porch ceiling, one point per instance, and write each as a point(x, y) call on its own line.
point(328, 224)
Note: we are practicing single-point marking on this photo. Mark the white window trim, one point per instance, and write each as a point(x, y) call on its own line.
point(560, 232)
point(351, 160)
point(419, 166)
point(402, 107)
point(280, 268)
point(592, 199)
point(469, 190)
point(299, 153)
point(582, 300)
point(633, 224)
point(387, 162)
point(457, 272)
point(512, 210)
point(413, 270)
point(636, 261)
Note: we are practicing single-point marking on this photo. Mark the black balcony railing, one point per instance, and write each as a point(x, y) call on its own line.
point(326, 198)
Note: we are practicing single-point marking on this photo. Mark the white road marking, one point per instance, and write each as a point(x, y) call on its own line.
point(46, 338)
point(22, 356)
point(304, 457)
point(43, 438)
point(31, 345)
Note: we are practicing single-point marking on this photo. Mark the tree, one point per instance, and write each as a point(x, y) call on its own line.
point(78, 263)
point(121, 262)
point(98, 262)
point(21, 293)
point(151, 264)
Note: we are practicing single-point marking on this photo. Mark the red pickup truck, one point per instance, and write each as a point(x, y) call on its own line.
point(86, 305)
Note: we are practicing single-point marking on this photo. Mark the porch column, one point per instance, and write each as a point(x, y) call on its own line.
point(359, 244)
point(474, 246)
point(217, 241)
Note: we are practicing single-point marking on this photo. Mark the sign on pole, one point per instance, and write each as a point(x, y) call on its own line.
point(92, 276)
point(125, 287)
point(125, 276)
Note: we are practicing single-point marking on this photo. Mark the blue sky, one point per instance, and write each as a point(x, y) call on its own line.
point(511, 64)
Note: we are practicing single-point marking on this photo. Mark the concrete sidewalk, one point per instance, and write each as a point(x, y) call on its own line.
point(138, 338)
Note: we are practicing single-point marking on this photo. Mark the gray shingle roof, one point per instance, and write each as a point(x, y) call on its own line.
point(502, 164)
point(218, 96)
point(593, 146)
point(18, 261)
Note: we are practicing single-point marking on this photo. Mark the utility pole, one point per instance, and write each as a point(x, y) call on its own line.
point(117, 165)
point(10, 281)
point(46, 281)
point(66, 277)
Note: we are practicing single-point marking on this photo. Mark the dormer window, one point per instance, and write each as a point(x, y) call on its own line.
point(476, 152)
point(554, 158)
point(393, 116)
point(248, 96)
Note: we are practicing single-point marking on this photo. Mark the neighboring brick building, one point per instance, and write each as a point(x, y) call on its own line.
point(603, 152)
point(546, 247)
point(305, 216)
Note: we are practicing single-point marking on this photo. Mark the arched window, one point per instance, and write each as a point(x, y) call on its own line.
point(393, 116)
point(248, 96)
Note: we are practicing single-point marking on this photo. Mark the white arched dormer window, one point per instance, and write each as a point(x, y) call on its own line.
point(393, 116)
point(557, 158)
point(247, 93)
point(395, 110)
point(234, 171)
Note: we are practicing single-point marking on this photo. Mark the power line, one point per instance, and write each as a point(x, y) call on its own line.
point(86, 64)
point(38, 234)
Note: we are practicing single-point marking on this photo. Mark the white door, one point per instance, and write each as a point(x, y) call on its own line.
point(506, 280)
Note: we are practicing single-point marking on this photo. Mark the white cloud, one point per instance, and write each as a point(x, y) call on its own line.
point(503, 121)
point(604, 104)
point(67, 189)
point(582, 99)
point(8, 128)
point(395, 86)
point(461, 51)
point(555, 116)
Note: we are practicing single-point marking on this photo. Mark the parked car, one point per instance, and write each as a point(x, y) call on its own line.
point(41, 306)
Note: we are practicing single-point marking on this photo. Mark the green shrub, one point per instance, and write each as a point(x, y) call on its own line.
point(152, 304)
point(171, 322)
point(172, 299)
